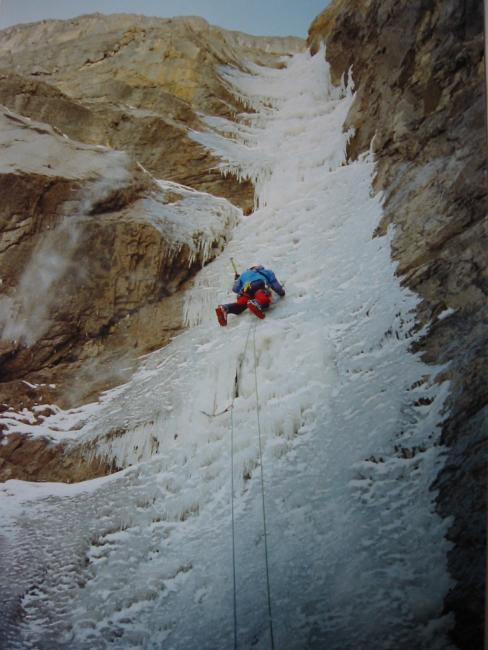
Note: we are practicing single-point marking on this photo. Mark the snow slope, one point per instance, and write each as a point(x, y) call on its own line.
point(349, 420)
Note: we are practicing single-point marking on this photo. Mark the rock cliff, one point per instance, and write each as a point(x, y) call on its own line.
point(94, 252)
point(419, 78)
point(134, 83)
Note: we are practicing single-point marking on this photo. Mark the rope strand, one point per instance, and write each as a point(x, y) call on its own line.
point(266, 554)
point(235, 392)
point(233, 521)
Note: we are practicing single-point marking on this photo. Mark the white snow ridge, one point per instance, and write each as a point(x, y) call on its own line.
point(349, 420)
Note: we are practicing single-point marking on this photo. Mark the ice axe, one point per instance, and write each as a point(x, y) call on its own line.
point(236, 272)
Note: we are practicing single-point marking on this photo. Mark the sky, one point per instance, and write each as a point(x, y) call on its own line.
point(262, 17)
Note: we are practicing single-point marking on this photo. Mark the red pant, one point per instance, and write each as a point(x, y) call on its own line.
point(262, 297)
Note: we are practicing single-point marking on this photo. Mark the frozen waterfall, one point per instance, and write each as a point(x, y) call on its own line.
point(349, 417)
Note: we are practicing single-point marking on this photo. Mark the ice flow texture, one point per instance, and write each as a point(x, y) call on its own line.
point(349, 419)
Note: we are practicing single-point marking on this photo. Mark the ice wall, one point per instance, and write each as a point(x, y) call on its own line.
point(349, 418)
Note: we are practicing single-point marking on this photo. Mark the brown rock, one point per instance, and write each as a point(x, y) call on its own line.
point(40, 459)
point(141, 85)
point(88, 241)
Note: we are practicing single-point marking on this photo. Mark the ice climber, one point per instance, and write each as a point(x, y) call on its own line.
point(253, 292)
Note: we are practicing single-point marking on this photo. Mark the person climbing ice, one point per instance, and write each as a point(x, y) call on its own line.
point(253, 292)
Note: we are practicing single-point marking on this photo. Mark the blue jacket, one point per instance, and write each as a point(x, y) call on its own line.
point(258, 273)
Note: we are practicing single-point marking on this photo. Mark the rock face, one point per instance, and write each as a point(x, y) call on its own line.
point(39, 459)
point(88, 241)
point(419, 76)
point(94, 253)
point(134, 83)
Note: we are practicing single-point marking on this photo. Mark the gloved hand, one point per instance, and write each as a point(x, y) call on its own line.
point(237, 276)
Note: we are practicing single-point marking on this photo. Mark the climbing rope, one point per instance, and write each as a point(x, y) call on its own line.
point(266, 553)
point(235, 393)
point(233, 522)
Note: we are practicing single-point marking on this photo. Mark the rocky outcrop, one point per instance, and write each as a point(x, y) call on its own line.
point(87, 240)
point(134, 83)
point(158, 140)
point(40, 459)
point(419, 78)
point(133, 57)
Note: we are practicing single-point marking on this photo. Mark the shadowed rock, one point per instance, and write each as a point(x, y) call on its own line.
point(419, 77)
